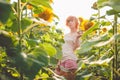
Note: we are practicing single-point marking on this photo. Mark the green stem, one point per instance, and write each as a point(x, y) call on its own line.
point(19, 22)
point(115, 66)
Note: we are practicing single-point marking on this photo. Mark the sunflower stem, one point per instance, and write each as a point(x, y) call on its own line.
point(19, 22)
point(115, 65)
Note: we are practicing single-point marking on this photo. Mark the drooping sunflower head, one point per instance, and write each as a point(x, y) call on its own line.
point(29, 6)
point(46, 14)
point(51, 1)
point(88, 25)
point(85, 24)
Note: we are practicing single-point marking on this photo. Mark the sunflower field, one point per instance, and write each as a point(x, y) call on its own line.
point(30, 43)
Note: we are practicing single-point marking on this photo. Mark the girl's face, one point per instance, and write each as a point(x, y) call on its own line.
point(71, 23)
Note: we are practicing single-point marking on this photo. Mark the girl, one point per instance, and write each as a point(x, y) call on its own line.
point(68, 64)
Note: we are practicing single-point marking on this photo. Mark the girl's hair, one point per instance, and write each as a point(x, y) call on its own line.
point(69, 18)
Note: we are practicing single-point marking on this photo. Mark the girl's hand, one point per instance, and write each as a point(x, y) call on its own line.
point(79, 34)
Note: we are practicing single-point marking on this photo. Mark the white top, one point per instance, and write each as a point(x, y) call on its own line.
point(70, 45)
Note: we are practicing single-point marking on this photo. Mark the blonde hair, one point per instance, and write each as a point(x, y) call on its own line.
point(69, 18)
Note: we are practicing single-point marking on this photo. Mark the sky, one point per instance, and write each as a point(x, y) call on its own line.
point(73, 7)
point(78, 8)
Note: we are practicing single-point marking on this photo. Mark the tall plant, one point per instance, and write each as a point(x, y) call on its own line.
point(27, 40)
point(114, 11)
point(101, 51)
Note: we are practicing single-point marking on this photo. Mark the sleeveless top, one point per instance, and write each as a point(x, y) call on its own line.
point(69, 46)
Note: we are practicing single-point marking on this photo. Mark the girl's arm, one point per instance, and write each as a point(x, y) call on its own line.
point(77, 40)
point(76, 44)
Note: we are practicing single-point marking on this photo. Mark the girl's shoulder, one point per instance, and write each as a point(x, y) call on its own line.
point(67, 35)
point(70, 36)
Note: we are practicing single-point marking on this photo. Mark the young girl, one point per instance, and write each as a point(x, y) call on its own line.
point(68, 64)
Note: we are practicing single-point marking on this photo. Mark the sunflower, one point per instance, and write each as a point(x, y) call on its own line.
point(104, 29)
point(47, 14)
point(29, 6)
point(88, 25)
point(85, 24)
point(51, 1)
point(35, 15)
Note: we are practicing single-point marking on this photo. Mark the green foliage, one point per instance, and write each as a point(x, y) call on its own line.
point(97, 52)
point(102, 3)
point(88, 45)
point(32, 50)
point(112, 12)
point(115, 4)
point(40, 2)
point(51, 51)
point(5, 10)
point(27, 48)
point(25, 22)
point(5, 39)
point(96, 26)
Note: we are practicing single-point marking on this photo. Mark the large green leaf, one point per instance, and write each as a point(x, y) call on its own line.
point(38, 10)
point(101, 62)
point(98, 42)
point(5, 10)
point(49, 49)
point(102, 3)
point(5, 39)
point(39, 55)
point(32, 42)
point(103, 43)
point(22, 63)
point(117, 36)
point(115, 4)
point(105, 23)
point(14, 26)
point(111, 12)
point(30, 64)
point(40, 2)
point(25, 23)
point(35, 61)
point(89, 44)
